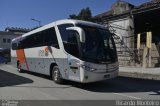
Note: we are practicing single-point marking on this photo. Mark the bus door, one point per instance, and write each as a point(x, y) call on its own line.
point(72, 48)
point(73, 67)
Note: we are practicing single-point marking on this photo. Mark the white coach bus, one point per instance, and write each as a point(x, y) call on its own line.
point(67, 49)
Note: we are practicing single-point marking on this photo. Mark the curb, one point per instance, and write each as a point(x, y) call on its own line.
point(140, 75)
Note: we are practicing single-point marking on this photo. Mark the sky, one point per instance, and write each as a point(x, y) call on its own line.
point(18, 13)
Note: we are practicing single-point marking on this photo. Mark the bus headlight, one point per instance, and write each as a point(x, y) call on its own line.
point(88, 68)
point(92, 69)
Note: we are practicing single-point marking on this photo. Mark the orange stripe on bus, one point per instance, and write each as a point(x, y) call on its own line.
point(21, 57)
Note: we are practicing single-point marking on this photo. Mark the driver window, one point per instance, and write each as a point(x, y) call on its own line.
point(72, 44)
point(69, 39)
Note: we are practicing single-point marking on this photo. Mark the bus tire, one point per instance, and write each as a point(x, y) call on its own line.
point(56, 75)
point(19, 69)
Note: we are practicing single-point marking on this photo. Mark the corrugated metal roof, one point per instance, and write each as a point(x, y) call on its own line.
point(15, 29)
point(147, 5)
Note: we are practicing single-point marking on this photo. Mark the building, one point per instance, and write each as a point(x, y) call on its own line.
point(6, 38)
point(10, 33)
point(18, 31)
point(137, 28)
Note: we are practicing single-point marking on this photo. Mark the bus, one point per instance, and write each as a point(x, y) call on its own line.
point(67, 49)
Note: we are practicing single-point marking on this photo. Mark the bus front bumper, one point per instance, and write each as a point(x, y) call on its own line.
point(94, 77)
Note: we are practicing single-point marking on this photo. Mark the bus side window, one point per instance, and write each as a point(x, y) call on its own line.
point(14, 46)
point(17, 44)
point(46, 37)
point(50, 38)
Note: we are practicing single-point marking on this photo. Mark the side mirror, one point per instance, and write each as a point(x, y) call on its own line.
point(80, 32)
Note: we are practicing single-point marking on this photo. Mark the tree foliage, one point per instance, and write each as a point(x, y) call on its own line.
point(85, 14)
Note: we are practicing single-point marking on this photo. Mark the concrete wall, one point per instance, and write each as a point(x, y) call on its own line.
point(155, 54)
point(6, 36)
point(124, 29)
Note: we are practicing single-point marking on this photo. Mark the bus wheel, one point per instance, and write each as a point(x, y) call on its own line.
point(56, 75)
point(19, 68)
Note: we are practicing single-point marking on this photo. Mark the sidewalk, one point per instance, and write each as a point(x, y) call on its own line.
point(144, 73)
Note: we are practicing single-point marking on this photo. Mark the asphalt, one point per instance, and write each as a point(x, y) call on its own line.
point(31, 86)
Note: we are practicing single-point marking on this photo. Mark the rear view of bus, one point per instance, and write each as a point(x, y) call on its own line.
point(86, 53)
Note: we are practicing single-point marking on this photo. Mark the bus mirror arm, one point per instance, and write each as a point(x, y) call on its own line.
point(80, 31)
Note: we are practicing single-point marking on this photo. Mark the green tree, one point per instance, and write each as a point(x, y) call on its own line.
point(73, 16)
point(85, 14)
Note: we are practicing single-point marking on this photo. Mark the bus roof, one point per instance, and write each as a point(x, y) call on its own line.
point(65, 21)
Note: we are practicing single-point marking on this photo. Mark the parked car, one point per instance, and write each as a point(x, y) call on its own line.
point(4, 55)
point(3, 60)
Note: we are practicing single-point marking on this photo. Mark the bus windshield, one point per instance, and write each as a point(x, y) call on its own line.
point(99, 46)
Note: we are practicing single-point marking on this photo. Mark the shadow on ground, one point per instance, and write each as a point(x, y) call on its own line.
point(122, 85)
point(118, 85)
point(10, 79)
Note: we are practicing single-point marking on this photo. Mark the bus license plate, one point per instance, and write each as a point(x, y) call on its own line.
point(106, 76)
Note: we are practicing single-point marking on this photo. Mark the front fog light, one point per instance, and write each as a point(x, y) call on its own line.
point(83, 66)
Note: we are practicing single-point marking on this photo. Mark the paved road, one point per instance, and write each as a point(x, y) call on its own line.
point(29, 86)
